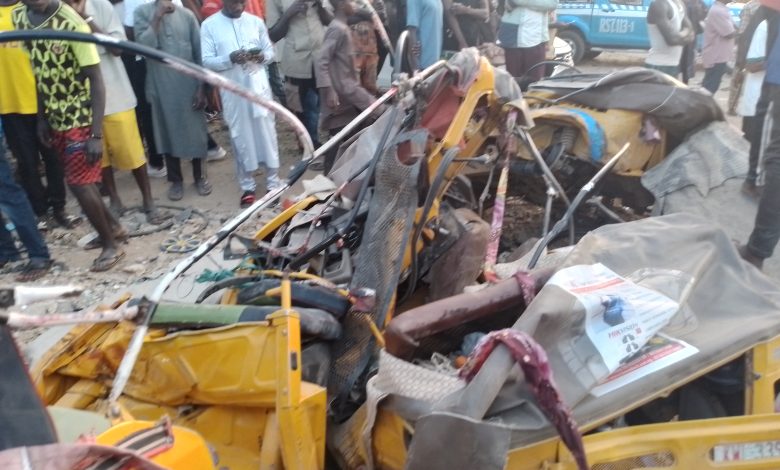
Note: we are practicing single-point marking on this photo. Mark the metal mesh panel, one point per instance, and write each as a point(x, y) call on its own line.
point(388, 227)
point(655, 460)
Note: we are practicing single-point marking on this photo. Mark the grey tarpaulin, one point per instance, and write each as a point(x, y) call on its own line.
point(703, 176)
point(735, 307)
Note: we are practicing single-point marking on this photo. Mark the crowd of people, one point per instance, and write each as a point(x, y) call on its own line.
point(81, 112)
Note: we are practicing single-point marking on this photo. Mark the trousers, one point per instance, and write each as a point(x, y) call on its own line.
point(766, 230)
point(20, 132)
point(15, 205)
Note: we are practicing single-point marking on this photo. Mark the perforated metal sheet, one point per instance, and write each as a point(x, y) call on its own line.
point(378, 265)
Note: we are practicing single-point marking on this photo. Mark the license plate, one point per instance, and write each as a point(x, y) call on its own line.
point(746, 451)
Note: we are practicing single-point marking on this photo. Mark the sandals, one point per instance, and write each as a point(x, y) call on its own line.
point(247, 199)
point(102, 264)
point(97, 242)
point(34, 270)
point(157, 217)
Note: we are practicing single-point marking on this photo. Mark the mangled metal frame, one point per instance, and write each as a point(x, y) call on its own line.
point(147, 309)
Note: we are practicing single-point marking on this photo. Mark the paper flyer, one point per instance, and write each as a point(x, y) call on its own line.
point(661, 351)
point(621, 315)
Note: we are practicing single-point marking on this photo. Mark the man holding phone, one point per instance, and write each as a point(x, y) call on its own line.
point(236, 44)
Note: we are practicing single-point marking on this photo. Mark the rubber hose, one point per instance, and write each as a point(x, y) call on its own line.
point(446, 161)
point(314, 322)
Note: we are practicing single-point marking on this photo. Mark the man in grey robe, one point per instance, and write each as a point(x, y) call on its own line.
point(177, 100)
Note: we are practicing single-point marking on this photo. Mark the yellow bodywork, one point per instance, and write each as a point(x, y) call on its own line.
point(462, 132)
point(622, 125)
point(237, 386)
point(744, 442)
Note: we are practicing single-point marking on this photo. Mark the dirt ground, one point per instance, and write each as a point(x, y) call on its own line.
point(144, 259)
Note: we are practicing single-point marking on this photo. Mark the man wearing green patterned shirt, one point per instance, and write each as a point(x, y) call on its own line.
point(71, 100)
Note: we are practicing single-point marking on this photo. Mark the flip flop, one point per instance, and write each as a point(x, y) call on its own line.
point(104, 264)
point(34, 270)
point(96, 242)
point(67, 221)
point(157, 217)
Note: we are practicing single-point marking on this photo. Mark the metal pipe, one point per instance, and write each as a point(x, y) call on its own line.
point(24, 321)
point(547, 211)
point(18, 296)
point(596, 201)
point(558, 227)
point(347, 130)
point(400, 47)
point(551, 179)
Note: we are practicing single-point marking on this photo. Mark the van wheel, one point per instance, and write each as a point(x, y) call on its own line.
point(577, 43)
point(591, 54)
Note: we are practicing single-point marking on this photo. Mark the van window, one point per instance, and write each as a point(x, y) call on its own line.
point(627, 2)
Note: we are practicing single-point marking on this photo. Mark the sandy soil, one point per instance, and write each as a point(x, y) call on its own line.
point(144, 259)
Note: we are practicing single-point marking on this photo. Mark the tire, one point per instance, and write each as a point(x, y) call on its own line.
point(577, 43)
point(591, 54)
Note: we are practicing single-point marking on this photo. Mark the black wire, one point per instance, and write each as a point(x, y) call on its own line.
point(446, 161)
point(370, 167)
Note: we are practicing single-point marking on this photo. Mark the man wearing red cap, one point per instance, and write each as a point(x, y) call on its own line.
point(766, 231)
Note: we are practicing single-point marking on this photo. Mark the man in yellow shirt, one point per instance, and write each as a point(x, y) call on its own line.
point(18, 108)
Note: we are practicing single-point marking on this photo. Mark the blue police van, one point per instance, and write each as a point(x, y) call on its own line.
point(591, 26)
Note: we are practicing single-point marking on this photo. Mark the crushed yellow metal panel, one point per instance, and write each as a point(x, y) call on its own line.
point(388, 440)
point(763, 377)
point(233, 364)
point(391, 440)
point(75, 343)
point(281, 219)
point(542, 454)
point(222, 383)
point(744, 442)
point(82, 394)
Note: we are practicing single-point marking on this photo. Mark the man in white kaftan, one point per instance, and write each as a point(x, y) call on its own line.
point(236, 44)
